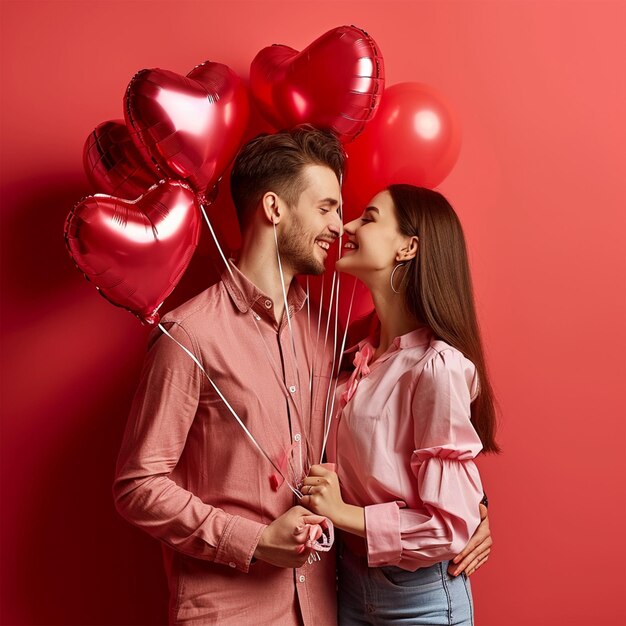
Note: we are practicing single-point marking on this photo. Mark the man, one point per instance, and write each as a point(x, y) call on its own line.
point(233, 538)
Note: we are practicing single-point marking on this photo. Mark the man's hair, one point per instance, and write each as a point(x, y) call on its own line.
point(276, 163)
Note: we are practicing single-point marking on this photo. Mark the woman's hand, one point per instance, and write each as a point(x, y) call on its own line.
point(476, 552)
point(322, 495)
point(321, 492)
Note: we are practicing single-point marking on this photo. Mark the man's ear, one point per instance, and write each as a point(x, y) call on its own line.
point(271, 208)
point(409, 250)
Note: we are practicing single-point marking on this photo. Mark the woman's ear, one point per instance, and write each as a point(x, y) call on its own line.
point(271, 209)
point(409, 250)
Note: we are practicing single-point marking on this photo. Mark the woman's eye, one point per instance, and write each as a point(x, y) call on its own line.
point(365, 220)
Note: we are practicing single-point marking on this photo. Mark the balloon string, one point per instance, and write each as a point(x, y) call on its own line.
point(336, 376)
point(297, 477)
point(332, 368)
point(217, 243)
point(330, 303)
point(281, 382)
point(296, 492)
point(317, 339)
point(287, 312)
point(308, 317)
point(226, 262)
point(327, 412)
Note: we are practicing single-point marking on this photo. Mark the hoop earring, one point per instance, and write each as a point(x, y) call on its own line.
point(395, 269)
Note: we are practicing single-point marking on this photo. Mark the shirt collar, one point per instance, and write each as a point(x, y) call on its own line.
point(244, 293)
point(421, 336)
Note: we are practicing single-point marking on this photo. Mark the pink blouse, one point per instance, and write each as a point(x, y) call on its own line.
point(404, 446)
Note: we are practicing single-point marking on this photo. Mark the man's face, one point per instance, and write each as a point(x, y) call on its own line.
point(313, 224)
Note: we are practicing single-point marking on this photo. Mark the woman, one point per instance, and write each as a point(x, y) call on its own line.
point(414, 413)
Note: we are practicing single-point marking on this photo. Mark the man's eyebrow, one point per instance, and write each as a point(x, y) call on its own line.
point(331, 201)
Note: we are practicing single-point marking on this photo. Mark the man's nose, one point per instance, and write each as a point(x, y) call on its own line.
point(336, 225)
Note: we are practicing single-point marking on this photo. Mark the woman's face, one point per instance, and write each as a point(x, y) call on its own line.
point(373, 243)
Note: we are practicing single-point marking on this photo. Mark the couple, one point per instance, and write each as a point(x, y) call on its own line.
point(400, 483)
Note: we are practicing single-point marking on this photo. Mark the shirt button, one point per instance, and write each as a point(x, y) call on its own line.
point(257, 317)
point(268, 304)
point(302, 579)
point(292, 389)
point(231, 564)
point(297, 437)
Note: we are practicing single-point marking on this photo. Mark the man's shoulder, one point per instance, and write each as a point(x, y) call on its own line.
point(196, 309)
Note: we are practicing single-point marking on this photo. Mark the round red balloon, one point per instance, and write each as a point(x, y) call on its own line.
point(135, 252)
point(191, 126)
point(113, 163)
point(336, 82)
point(414, 138)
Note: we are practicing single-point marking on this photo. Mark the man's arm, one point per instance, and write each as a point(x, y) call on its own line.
point(476, 552)
point(162, 414)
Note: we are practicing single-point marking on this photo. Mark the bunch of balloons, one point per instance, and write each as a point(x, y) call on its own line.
point(160, 166)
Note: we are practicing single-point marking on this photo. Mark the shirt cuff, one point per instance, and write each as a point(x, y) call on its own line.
point(238, 543)
point(382, 531)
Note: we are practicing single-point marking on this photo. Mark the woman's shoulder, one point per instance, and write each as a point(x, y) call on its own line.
point(443, 359)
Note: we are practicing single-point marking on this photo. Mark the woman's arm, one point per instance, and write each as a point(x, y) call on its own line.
point(447, 482)
point(322, 495)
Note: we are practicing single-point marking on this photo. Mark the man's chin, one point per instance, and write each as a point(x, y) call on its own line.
point(311, 269)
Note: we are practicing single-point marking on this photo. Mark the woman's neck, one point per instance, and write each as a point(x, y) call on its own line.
point(394, 318)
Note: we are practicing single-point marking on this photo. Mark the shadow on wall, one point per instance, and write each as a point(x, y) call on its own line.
point(80, 563)
point(72, 365)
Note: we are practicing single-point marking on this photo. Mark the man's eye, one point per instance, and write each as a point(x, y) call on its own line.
point(324, 210)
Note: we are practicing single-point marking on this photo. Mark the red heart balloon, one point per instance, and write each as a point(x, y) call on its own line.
point(336, 82)
point(135, 252)
point(113, 164)
point(190, 126)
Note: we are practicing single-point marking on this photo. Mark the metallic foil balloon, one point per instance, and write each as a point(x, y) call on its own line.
point(336, 82)
point(191, 126)
point(135, 252)
point(415, 138)
point(113, 163)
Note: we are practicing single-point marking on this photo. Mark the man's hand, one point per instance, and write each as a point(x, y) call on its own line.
point(283, 542)
point(477, 550)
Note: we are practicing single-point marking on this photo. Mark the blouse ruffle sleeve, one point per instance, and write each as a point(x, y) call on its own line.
point(448, 482)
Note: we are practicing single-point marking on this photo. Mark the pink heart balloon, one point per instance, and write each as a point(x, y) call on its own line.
point(190, 126)
point(135, 252)
point(336, 82)
point(113, 163)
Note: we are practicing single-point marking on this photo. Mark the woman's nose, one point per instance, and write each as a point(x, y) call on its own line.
point(351, 227)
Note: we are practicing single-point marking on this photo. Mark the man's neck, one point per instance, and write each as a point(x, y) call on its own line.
point(260, 266)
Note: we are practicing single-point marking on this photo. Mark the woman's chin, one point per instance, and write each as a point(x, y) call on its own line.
point(343, 265)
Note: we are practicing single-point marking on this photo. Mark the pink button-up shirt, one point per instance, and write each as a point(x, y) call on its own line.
point(189, 476)
point(404, 446)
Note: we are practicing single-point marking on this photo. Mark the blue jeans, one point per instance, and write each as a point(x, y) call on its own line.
point(378, 596)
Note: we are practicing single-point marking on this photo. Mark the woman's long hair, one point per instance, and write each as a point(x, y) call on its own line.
point(438, 288)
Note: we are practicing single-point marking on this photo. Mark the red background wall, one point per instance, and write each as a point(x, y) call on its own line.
point(540, 187)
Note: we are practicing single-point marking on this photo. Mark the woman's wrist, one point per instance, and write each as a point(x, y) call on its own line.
point(351, 519)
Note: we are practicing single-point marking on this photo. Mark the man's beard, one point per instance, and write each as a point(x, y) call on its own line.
point(294, 250)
